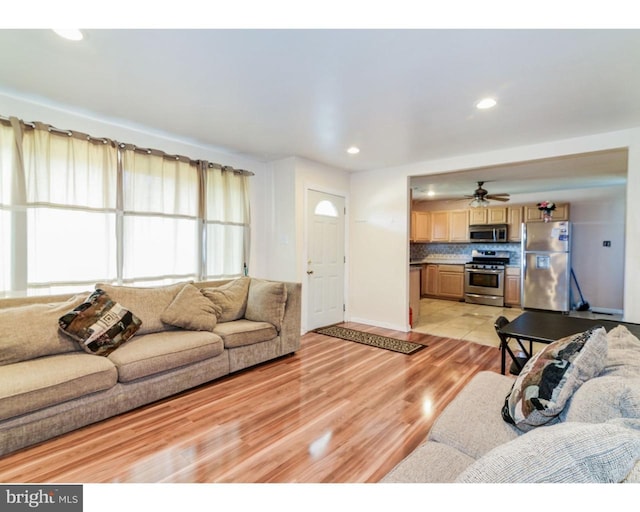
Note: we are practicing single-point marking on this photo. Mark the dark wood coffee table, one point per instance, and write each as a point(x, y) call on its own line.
point(544, 327)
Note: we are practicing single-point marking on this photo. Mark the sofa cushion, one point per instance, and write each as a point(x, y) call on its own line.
point(244, 332)
point(190, 310)
point(623, 358)
point(33, 385)
point(604, 398)
point(229, 299)
point(31, 331)
point(266, 302)
point(551, 376)
point(99, 324)
point(477, 404)
point(148, 303)
point(570, 452)
point(158, 352)
point(430, 463)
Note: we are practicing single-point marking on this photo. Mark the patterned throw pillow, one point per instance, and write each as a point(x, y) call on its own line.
point(551, 376)
point(99, 324)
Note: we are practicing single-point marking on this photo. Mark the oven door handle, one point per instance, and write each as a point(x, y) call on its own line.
point(480, 271)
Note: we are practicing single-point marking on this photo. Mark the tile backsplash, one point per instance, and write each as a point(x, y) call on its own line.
point(419, 252)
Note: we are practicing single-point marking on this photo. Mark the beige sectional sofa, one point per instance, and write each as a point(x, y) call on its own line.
point(189, 334)
point(591, 432)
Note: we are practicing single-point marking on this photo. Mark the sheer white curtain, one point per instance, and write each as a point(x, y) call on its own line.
point(75, 210)
point(160, 221)
point(7, 155)
point(71, 209)
point(227, 221)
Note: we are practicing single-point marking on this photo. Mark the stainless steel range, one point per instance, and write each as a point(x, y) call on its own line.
point(484, 277)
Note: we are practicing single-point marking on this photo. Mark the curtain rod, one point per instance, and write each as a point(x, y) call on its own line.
point(122, 145)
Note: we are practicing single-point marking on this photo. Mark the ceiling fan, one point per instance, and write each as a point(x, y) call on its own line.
point(481, 197)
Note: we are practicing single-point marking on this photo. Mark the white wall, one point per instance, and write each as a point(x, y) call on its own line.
point(380, 201)
point(292, 178)
point(66, 117)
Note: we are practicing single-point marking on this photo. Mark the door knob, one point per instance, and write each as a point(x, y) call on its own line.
point(309, 272)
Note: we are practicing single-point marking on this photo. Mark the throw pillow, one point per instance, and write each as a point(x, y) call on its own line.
point(266, 302)
point(569, 452)
point(148, 303)
point(551, 376)
point(229, 299)
point(99, 324)
point(190, 310)
point(623, 358)
point(30, 331)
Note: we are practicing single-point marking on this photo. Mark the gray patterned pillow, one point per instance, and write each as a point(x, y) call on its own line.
point(551, 376)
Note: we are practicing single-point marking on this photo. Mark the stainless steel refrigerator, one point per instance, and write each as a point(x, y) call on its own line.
point(546, 266)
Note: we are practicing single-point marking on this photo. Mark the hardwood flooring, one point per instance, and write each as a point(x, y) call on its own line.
point(336, 411)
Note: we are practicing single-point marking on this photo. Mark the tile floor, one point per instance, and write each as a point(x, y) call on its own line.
point(471, 322)
point(459, 320)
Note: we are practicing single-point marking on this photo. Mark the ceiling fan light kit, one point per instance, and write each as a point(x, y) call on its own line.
point(481, 197)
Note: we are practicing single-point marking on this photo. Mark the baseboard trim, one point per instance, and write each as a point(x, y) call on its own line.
point(384, 325)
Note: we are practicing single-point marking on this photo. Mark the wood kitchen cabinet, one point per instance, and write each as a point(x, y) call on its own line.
point(414, 293)
point(514, 223)
point(440, 226)
point(429, 279)
point(532, 214)
point(443, 281)
point(421, 226)
point(451, 281)
point(459, 226)
point(450, 226)
point(512, 286)
point(497, 215)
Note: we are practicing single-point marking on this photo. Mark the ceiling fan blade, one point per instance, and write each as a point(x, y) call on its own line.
point(497, 198)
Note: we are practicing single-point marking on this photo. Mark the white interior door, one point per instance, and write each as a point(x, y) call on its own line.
point(325, 259)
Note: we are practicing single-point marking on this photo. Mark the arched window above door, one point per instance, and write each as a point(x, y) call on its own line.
point(326, 208)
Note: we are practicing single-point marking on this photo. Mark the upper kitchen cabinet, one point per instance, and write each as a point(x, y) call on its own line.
point(450, 226)
point(459, 226)
point(440, 226)
point(532, 214)
point(420, 226)
point(514, 222)
point(488, 216)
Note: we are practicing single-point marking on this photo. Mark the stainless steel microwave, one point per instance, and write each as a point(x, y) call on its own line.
point(488, 233)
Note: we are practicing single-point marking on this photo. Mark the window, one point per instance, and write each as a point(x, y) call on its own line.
point(75, 210)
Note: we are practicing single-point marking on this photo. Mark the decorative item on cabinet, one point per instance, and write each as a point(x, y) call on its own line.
point(532, 213)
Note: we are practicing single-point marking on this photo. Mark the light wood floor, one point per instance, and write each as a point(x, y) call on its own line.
point(336, 411)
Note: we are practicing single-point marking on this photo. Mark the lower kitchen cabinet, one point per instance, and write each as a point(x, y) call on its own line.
point(451, 281)
point(414, 293)
point(512, 286)
point(443, 281)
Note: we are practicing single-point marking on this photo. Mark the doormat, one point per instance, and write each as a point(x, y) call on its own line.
point(373, 340)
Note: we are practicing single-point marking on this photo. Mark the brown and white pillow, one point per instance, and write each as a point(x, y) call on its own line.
point(99, 324)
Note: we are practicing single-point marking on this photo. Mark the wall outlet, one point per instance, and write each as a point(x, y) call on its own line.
point(606, 243)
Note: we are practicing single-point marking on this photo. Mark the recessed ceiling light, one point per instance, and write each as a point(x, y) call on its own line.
point(73, 34)
point(486, 103)
point(353, 150)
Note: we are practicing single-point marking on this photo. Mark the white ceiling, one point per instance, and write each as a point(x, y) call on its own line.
point(402, 96)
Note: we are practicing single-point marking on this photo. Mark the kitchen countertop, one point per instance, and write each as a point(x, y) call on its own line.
point(457, 260)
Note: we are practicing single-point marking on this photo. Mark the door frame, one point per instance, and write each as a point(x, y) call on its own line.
point(305, 249)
